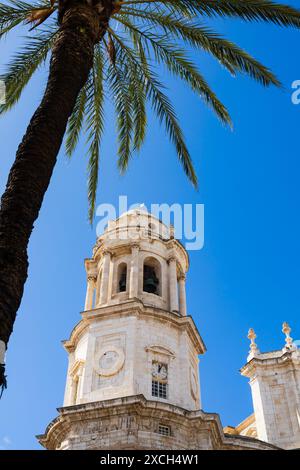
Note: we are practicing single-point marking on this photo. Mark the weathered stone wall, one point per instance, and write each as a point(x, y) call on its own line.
point(133, 423)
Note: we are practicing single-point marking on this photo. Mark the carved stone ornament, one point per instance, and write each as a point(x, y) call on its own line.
point(109, 361)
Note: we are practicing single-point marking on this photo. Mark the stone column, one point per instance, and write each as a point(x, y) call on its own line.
point(173, 288)
point(105, 277)
point(90, 292)
point(74, 389)
point(98, 284)
point(182, 296)
point(134, 271)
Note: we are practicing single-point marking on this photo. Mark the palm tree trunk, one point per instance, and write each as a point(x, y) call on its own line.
point(72, 57)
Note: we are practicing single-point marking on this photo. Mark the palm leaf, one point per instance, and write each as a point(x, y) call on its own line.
point(249, 10)
point(139, 108)
point(15, 12)
point(76, 121)
point(230, 55)
point(178, 64)
point(263, 10)
point(23, 66)
point(95, 126)
point(162, 107)
point(165, 112)
point(149, 33)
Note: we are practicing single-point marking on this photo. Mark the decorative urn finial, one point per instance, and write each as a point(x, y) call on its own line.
point(286, 329)
point(253, 346)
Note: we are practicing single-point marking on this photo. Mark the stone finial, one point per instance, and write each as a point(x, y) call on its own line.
point(253, 346)
point(172, 232)
point(286, 329)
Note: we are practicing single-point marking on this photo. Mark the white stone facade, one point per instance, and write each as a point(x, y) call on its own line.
point(274, 379)
point(275, 387)
point(138, 336)
point(133, 375)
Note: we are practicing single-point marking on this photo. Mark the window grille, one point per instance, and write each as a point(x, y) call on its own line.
point(164, 430)
point(159, 389)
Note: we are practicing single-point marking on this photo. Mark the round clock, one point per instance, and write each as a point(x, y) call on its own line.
point(109, 360)
point(159, 371)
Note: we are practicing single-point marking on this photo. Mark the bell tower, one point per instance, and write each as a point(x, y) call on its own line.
point(133, 374)
point(139, 339)
point(137, 258)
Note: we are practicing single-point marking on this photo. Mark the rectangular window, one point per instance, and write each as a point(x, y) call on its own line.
point(164, 430)
point(159, 389)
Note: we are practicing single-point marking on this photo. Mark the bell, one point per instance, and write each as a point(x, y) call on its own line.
point(150, 281)
point(150, 285)
point(122, 283)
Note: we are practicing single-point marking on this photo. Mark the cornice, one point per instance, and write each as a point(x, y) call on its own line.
point(264, 364)
point(137, 308)
point(198, 421)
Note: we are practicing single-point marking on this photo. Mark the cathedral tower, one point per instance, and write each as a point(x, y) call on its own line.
point(133, 375)
point(139, 339)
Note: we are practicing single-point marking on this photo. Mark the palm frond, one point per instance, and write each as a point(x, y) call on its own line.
point(229, 54)
point(111, 50)
point(95, 126)
point(166, 113)
point(38, 17)
point(258, 10)
point(15, 12)
point(178, 64)
point(76, 120)
point(152, 36)
point(138, 108)
point(138, 96)
point(24, 64)
point(121, 91)
point(249, 10)
point(162, 107)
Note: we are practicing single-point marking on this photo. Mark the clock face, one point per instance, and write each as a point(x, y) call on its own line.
point(108, 361)
point(159, 371)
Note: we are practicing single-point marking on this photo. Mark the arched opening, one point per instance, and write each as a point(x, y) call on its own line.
point(152, 276)
point(122, 277)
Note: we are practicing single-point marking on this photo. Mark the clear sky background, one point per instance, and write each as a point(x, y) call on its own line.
point(247, 274)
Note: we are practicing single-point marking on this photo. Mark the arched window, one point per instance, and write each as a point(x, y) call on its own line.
point(152, 276)
point(122, 277)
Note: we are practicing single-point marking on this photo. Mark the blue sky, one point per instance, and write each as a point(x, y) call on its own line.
point(246, 275)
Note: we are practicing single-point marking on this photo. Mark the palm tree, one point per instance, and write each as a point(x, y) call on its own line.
point(105, 49)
